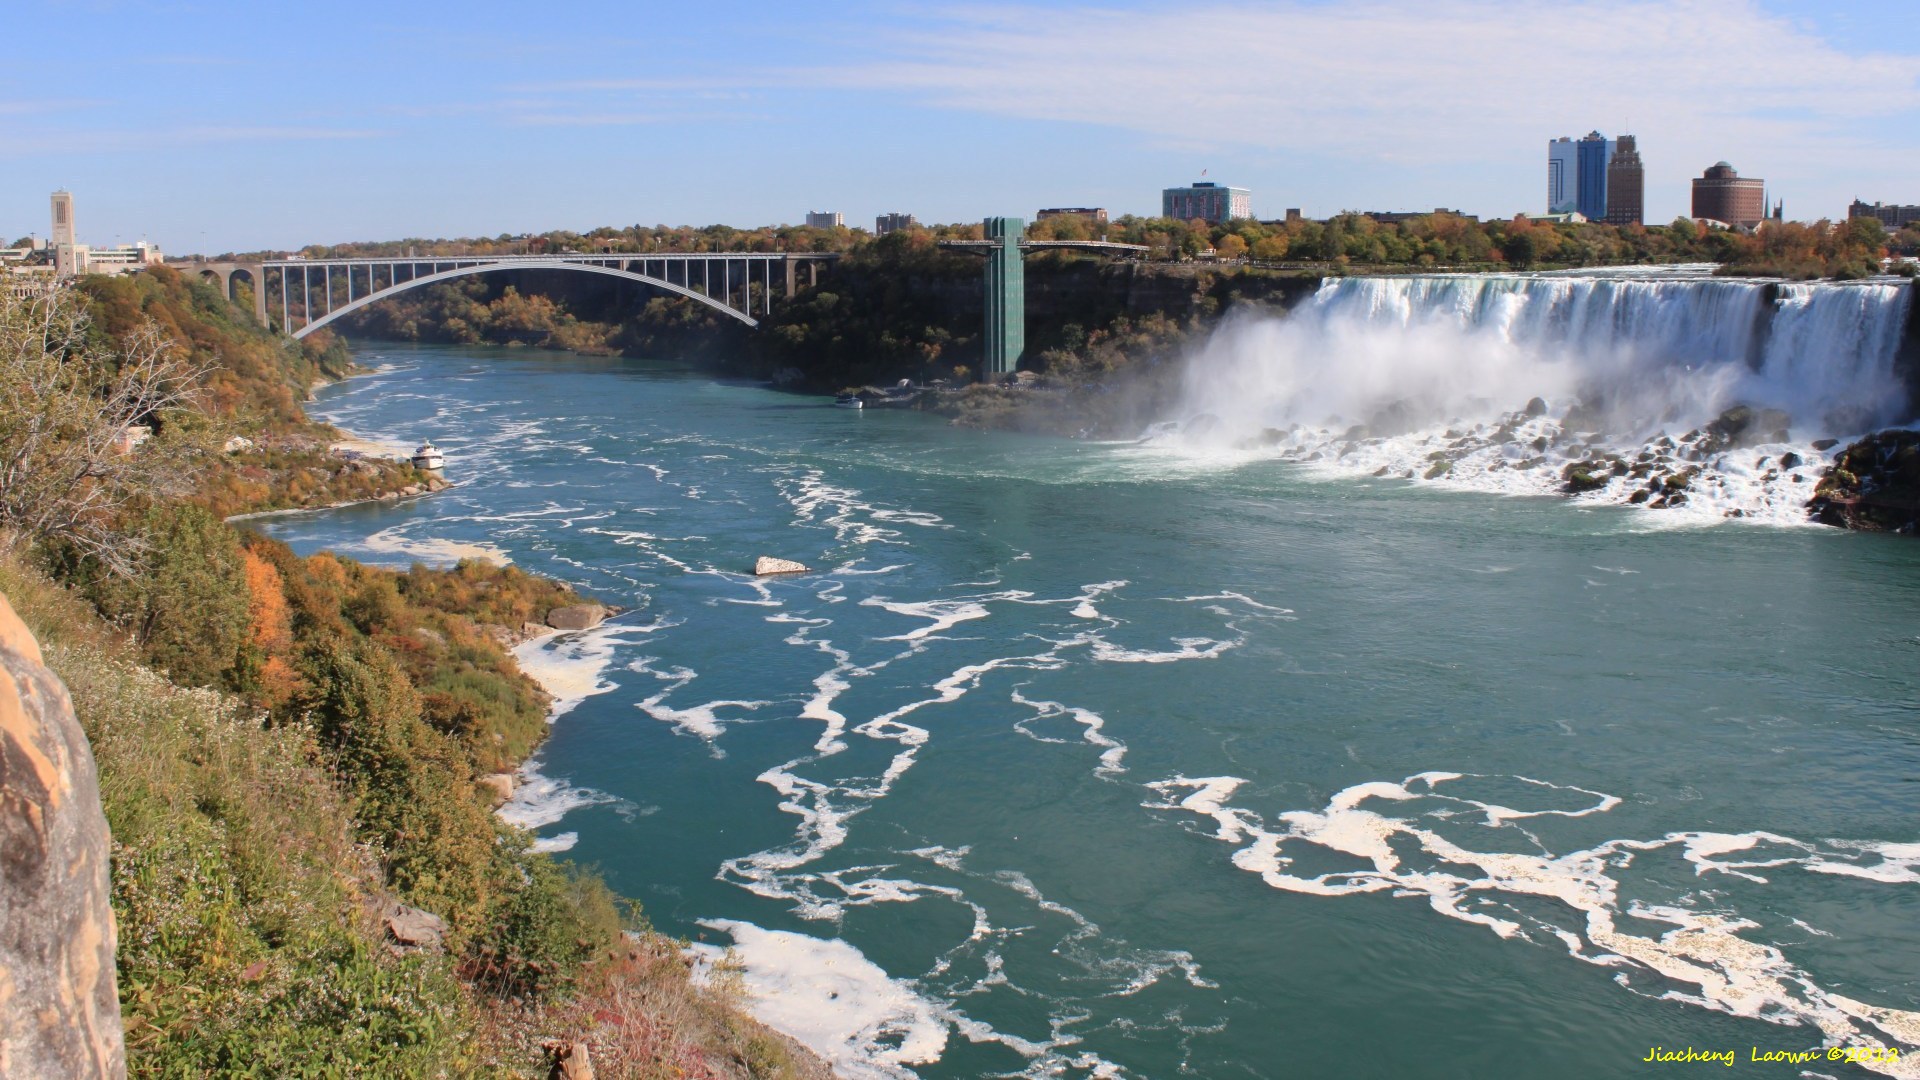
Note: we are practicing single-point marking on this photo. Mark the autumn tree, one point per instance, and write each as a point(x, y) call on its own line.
point(76, 413)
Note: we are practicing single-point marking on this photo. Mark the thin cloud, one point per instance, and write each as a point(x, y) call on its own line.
point(586, 119)
point(678, 85)
point(1407, 83)
point(84, 142)
point(29, 108)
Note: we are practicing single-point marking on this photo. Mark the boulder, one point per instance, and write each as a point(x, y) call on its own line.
point(59, 1007)
point(1743, 425)
point(767, 564)
point(576, 617)
point(1536, 407)
point(411, 929)
point(1874, 485)
point(571, 1061)
point(498, 786)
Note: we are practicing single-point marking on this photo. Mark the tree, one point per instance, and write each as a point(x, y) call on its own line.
point(73, 411)
point(1520, 248)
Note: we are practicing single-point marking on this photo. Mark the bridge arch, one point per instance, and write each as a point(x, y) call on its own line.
point(230, 288)
point(359, 302)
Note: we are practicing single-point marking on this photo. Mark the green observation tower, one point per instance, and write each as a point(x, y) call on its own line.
point(1006, 297)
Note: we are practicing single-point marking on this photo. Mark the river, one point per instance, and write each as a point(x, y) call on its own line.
point(1155, 759)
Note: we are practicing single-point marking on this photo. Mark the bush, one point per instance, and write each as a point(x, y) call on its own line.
point(187, 607)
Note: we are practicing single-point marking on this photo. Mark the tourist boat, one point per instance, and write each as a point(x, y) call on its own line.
point(428, 458)
point(849, 401)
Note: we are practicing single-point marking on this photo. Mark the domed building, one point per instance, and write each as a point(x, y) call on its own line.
point(1722, 194)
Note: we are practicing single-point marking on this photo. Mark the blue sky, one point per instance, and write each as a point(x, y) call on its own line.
point(217, 126)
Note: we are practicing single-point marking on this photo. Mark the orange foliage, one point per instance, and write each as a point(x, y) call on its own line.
point(269, 623)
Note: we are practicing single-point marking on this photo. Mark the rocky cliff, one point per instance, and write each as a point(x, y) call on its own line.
point(59, 1009)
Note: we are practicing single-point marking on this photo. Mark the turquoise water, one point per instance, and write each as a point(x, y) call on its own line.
point(1079, 759)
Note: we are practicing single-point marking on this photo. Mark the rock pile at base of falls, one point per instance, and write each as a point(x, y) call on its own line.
point(1874, 485)
point(59, 1007)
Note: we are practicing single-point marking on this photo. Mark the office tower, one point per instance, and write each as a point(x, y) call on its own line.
point(1563, 176)
point(1626, 185)
point(1595, 151)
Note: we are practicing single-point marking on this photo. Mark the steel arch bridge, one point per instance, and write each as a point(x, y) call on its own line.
point(310, 293)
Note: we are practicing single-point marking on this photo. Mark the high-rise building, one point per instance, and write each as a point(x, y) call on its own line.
point(1215, 203)
point(1626, 185)
point(826, 219)
point(1594, 152)
point(1890, 215)
point(886, 223)
point(1563, 176)
point(1722, 194)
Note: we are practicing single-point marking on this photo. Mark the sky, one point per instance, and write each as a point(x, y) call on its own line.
point(211, 127)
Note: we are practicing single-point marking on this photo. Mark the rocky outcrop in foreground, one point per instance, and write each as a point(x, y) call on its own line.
point(59, 1008)
point(1874, 485)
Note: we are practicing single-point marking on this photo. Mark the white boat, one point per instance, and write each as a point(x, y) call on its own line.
point(849, 401)
point(429, 458)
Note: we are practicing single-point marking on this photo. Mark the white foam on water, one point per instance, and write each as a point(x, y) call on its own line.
point(1112, 751)
point(941, 614)
point(432, 550)
point(703, 720)
point(1702, 960)
point(853, 520)
point(825, 807)
point(829, 996)
point(557, 843)
point(825, 801)
point(570, 665)
point(540, 800)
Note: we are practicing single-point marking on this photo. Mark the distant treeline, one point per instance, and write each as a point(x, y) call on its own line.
point(1345, 241)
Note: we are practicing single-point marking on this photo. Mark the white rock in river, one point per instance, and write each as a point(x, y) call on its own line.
point(770, 565)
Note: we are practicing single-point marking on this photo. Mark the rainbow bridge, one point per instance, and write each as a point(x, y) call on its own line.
point(307, 294)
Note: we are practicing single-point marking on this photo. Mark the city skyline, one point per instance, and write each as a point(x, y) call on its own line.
point(283, 132)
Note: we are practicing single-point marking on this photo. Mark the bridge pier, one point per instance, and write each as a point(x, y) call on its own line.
point(222, 272)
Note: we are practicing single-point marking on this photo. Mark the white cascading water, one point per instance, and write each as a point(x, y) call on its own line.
point(1430, 378)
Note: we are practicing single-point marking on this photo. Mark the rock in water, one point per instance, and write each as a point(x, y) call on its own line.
point(576, 617)
point(59, 1008)
point(767, 564)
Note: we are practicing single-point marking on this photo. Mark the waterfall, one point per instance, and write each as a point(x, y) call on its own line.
point(1516, 382)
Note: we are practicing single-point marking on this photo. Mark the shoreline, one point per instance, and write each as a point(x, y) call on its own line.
point(391, 497)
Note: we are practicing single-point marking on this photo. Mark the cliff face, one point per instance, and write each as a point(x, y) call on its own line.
point(59, 1009)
